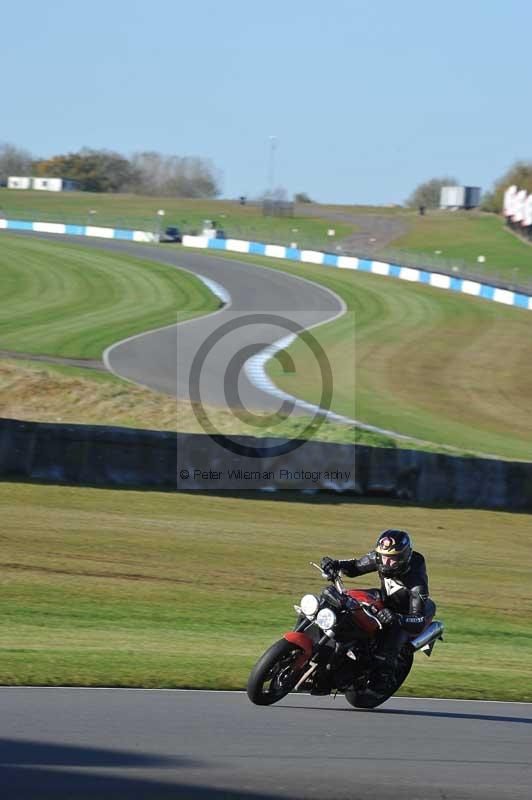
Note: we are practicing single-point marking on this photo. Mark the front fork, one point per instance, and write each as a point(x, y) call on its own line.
point(313, 647)
point(302, 623)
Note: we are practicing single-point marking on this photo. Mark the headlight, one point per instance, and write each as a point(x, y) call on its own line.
point(309, 605)
point(326, 619)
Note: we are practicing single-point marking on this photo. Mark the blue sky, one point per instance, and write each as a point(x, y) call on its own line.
point(366, 98)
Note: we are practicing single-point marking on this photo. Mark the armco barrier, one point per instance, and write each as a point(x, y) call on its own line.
point(78, 230)
point(124, 457)
point(435, 279)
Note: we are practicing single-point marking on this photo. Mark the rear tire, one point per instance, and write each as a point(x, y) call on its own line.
point(274, 676)
point(368, 698)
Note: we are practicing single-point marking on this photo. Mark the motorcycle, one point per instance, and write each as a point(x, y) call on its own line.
point(334, 646)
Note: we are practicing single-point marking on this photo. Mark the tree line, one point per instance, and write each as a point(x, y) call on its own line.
point(152, 173)
point(519, 174)
point(147, 173)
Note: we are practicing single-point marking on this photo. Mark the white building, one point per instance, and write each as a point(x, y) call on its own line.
point(54, 185)
point(42, 184)
point(14, 182)
point(457, 197)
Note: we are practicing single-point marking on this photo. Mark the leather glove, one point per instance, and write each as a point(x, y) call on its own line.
point(331, 566)
point(386, 617)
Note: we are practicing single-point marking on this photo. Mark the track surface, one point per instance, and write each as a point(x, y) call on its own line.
point(105, 743)
point(162, 359)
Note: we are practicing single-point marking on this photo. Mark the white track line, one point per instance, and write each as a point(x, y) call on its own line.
point(255, 366)
point(256, 373)
point(219, 291)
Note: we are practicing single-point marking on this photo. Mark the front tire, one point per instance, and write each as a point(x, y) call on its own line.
point(368, 698)
point(275, 674)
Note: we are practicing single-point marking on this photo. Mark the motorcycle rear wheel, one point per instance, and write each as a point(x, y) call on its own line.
point(274, 675)
point(368, 698)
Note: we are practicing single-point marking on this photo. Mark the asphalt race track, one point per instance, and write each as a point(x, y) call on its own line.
point(162, 359)
point(112, 743)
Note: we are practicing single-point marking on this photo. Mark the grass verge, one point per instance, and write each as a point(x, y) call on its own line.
point(463, 236)
point(53, 393)
point(65, 300)
point(148, 589)
point(429, 363)
point(137, 212)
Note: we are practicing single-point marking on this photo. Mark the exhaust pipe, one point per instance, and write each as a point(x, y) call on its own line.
point(429, 635)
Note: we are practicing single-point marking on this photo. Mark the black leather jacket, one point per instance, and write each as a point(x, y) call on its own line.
point(408, 594)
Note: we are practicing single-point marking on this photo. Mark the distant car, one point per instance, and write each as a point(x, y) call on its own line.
point(220, 233)
point(171, 235)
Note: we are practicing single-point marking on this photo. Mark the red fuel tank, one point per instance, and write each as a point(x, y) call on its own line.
point(367, 598)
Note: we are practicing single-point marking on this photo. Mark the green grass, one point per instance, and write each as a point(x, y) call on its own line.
point(150, 589)
point(138, 212)
point(462, 237)
point(63, 300)
point(43, 392)
point(432, 364)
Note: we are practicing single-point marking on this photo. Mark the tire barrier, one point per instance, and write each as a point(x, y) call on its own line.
point(125, 457)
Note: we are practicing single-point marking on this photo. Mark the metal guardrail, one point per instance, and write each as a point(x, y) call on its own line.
point(87, 217)
point(455, 267)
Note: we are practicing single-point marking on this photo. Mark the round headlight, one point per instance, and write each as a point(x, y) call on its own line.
point(326, 619)
point(309, 605)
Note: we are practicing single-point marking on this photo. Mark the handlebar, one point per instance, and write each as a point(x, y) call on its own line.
point(336, 579)
point(340, 587)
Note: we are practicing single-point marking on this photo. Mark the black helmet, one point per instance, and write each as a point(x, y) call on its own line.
point(394, 551)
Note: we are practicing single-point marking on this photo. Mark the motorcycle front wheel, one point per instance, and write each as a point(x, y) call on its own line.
point(275, 674)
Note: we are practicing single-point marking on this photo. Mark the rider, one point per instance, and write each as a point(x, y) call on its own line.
point(404, 590)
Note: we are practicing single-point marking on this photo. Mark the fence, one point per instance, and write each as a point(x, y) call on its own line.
point(151, 226)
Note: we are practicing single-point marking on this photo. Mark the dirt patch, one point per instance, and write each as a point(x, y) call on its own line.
point(86, 363)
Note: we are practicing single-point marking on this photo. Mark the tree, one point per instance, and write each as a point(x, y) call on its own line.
point(428, 193)
point(193, 177)
point(174, 176)
point(302, 197)
point(519, 174)
point(145, 173)
point(14, 161)
point(94, 170)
